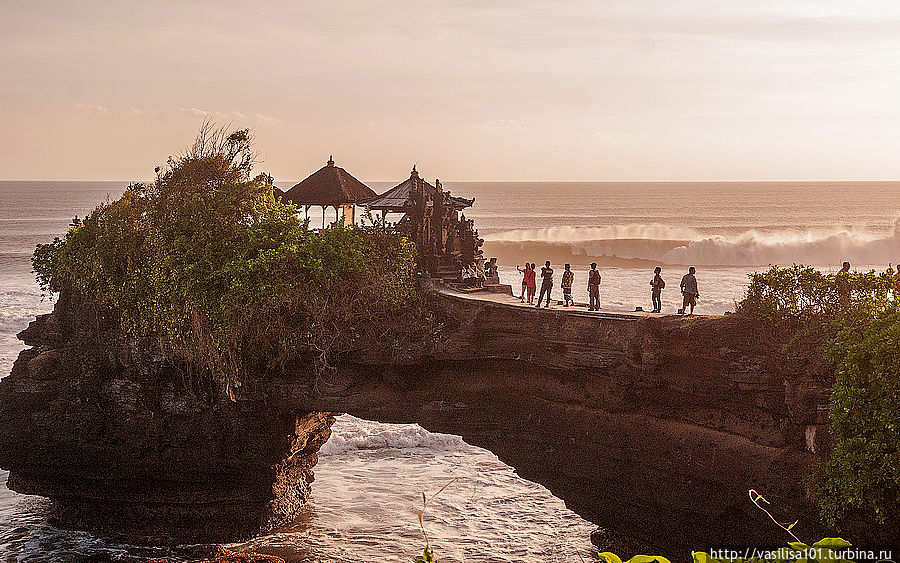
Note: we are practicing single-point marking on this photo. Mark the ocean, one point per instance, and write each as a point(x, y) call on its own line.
point(371, 475)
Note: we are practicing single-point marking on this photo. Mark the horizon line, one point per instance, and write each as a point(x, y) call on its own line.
point(830, 181)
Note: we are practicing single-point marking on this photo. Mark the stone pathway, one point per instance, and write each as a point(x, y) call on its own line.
point(579, 309)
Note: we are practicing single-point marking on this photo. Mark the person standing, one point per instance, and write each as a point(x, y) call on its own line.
point(593, 288)
point(546, 284)
point(531, 278)
point(524, 279)
point(689, 290)
point(479, 272)
point(657, 285)
point(566, 285)
point(842, 280)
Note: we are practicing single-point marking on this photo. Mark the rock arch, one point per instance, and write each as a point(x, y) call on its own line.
point(654, 427)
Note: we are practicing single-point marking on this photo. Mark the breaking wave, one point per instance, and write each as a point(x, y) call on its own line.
point(359, 435)
point(678, 245)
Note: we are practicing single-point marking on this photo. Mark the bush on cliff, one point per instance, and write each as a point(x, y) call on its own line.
point(229, 278)
point(831, 550)
point(851, 320)
point(864, 469)
point(802, 301)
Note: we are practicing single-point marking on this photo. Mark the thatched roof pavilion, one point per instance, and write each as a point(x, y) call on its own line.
point(398, 200)
point(330, 186)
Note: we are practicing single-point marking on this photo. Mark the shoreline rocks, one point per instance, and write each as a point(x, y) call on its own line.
point(654, 429)
point(121, 442)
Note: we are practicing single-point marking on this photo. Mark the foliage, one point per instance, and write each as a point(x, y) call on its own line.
point(758, 501)
point(834, 550)
point(428, 555)
point(864, 469)
point(802, 301)
point(206, 260)
point(852, 320)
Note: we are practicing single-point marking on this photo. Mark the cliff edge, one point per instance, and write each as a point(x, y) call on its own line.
point(653, 428)
point(123, 442)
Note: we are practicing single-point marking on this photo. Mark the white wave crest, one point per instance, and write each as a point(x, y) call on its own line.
point(596, 234)
point(755, 249)
point(353, 434)
point(676, 245)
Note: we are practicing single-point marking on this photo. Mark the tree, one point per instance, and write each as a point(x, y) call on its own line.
point(230, 280)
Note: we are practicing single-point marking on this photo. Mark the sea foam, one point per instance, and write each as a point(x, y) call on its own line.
point(350, 434)
point(676, 245)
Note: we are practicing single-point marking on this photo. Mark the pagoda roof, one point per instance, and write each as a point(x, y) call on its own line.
point(398, 197)
point(329, 186)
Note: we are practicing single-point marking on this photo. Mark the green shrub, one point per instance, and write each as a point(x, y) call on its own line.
point(852, 321)
point(864, 468)
point(231, 280)
point(834, 550)
point(802, 300)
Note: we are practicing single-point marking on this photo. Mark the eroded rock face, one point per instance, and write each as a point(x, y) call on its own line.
point(654, 428)
point(117, 438)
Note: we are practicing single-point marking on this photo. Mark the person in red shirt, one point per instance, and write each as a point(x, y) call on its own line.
point(524, 279)
point(531, 281)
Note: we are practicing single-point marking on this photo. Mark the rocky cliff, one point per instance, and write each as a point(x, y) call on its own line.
point(123, 442)
point(654, 428)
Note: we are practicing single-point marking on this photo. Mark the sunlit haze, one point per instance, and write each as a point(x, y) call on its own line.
point(471, 90)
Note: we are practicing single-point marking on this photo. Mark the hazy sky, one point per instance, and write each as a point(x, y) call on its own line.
point(469, 89)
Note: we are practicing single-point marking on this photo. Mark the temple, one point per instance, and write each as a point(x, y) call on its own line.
point(330, 186)
point(448, 244)
point(432, 218)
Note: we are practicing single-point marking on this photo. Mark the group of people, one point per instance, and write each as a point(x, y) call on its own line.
point(478, 272)
point(689, 289)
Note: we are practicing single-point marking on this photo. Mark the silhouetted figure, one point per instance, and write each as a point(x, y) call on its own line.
point(657, 285)
point(566, 285)
point(593, 288)
point(524, 279)
point(842, 280)
point(532, 282)
point(689, 290)
point(546, 284)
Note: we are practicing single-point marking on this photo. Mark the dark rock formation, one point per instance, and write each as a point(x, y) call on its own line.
point(656, 428)
point(122, 444)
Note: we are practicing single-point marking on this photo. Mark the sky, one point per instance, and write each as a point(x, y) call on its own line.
point(471, 90)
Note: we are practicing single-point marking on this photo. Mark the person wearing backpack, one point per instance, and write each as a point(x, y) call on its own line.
point(594, 288)
point(657, 285)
